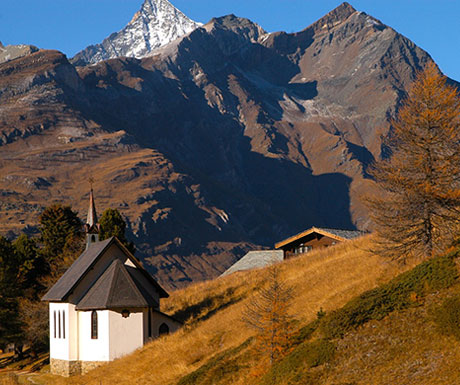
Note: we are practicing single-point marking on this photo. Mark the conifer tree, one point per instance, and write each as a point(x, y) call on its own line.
point(10, 325)
point(268, 314)
point(31, 266)
point(418, 209)
point(113, 225)
point(60, 229)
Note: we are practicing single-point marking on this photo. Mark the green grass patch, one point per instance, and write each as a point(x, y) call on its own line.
point(400, 293)
point(304, 333)
point(447, 316)
point(217, 368)
point(293, 369)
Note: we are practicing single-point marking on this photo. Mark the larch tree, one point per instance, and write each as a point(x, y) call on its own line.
point(418, 208)
point(268, 314)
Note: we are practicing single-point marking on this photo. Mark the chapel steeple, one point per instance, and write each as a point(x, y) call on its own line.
point(92, 226)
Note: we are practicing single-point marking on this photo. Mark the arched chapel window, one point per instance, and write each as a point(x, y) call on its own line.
point(59, 324)
point(94, 325)
point(164, 329)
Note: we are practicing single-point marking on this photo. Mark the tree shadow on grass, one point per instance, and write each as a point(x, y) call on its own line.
point(207, 307)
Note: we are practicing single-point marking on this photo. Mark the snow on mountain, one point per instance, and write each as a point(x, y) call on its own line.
point(157, 23)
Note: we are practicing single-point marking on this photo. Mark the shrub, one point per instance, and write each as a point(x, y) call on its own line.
point(304, 333)
point(447, 316)
point(293, 367)
point(435, 274)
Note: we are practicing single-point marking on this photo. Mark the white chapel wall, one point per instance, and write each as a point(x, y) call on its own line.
point(94, 349)
point(158, 319)
point(126, 334)
point(128, 262)
point(63, 331)
point(73, 333)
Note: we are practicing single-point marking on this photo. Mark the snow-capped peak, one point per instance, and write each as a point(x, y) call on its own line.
point(157, 23)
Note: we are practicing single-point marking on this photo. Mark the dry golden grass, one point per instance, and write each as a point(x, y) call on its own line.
point(8, 380)
point(327, 278)
point(403, 348)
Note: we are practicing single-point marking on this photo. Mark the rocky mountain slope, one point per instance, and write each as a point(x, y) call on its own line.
point(11, 52)
point(227, 138)
point(157, 23)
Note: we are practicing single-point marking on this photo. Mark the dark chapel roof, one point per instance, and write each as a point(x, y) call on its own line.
point(120, 286)
point(73, 276)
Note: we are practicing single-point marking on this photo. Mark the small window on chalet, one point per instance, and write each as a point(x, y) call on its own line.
point(93, 238)
point(94, 325)
point(302, 249)
point(164, 329)
point(54, 325)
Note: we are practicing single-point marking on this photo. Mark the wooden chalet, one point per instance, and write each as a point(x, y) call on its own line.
point(314, 238)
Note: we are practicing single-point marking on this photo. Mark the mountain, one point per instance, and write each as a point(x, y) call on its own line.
point(226, 139)
point(11, 52)
point(157, 23)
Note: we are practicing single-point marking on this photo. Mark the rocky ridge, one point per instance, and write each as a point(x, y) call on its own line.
point(11, 52)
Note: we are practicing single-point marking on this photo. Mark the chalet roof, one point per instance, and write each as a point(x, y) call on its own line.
point(254, 260)
point(70, 279)
point(338, 234)
point(120, 286)
point(345, 234)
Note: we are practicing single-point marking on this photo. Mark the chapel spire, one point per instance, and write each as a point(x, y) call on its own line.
point(92, 226)
point(91, 219)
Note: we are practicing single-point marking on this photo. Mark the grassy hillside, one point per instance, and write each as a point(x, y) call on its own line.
point(212, 310)
point(376, 336)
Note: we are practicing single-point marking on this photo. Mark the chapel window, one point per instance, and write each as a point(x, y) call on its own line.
point(59, 324)
point(63, 324)
point(94, 325)
point(164, 329)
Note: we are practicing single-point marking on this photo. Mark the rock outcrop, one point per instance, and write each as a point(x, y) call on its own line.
point(11, 52)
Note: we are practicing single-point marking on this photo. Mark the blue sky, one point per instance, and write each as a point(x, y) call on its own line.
point(71, 25)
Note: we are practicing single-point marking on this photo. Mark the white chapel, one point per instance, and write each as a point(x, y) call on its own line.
point(104, 306)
